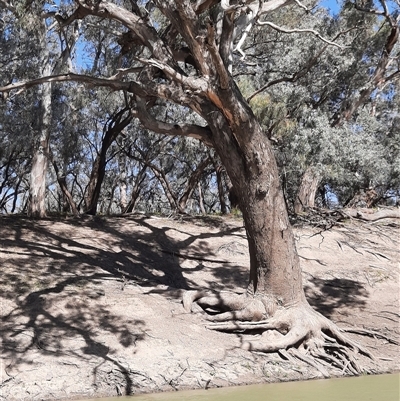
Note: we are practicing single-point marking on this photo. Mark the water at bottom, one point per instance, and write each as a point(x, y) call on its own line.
point(363, 388)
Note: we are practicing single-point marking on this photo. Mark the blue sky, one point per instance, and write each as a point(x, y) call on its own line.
point(332, 5)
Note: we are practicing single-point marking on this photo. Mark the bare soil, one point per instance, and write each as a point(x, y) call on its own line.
point(92, 307)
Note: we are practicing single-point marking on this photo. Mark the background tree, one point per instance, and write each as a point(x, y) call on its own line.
point(304, 116)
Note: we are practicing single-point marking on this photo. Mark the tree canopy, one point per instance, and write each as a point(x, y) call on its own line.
point(324, 86)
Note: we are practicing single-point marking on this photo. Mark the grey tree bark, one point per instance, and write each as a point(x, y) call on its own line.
point(307, 191)
point(37, 195)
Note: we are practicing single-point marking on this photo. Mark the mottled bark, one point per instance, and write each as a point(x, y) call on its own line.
point(305, 197)
point(37, 195)
point(248, 157)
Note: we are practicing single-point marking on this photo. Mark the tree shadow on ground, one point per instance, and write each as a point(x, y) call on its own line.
point(50, 275)
point(328, 295)
point(36, 324)
point(52, 268)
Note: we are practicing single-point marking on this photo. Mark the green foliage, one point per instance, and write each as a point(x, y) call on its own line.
point(308, 86)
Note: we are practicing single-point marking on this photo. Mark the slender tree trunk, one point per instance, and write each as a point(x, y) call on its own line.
point(99, 165)
point(16, 193)
point(169, 193)
point(305, 197)
point(66, 193)
point(136, 190)
point(221, 191)
point(91, 195)
point(191, 185)
point(201, 200)
point(123, 200)
point(111, 199)
point(37, 206)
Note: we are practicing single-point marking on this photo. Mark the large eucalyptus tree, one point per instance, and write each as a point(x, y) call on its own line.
point(183, 54)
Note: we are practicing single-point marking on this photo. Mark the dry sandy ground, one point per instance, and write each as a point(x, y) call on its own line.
point(92, 307)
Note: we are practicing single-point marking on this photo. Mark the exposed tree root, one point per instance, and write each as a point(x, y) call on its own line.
point(370, 333)
point(299, 329)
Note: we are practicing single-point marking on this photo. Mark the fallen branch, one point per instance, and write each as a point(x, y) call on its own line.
point(369, 215)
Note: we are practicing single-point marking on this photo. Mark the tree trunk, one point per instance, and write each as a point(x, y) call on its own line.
point(66, 193)
point(99, 166)
point(16, 193)
point(275, 299)
point(95, 182)
point(136, 190)
point(201, 200)
point(307, 191)
point(168, 191)
point(191, 184)
point(274, 264)
point(247, 155)
point(221, 191)
point(123, 199)
point(37, 206)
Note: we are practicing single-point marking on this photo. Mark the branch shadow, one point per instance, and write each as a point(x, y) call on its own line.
point(328, 295)
point(49, 275)
point(51, 269)
point(35, 325)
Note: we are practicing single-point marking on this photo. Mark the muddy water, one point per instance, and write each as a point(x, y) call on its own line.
point(364, 388)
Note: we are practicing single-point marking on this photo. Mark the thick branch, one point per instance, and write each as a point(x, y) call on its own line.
point(273, 5)
point(220, 64)
point(146, 33)
point(196, 84)
point(185, 21)
point(152, 89)
point(189, 130)
point(78, 14)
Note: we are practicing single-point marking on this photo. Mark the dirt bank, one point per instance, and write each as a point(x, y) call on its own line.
point(93, 307)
